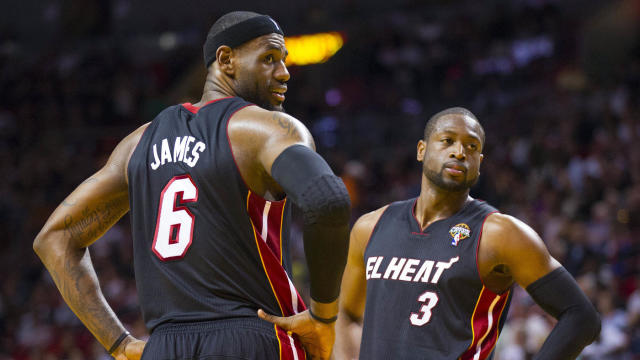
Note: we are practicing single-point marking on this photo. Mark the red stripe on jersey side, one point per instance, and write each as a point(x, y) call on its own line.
point(290, 346)
point(492, 338)
point(267, 214)
point(264, 255)
point(301, 306)
point(274, 230)
point(270, 251)
point(485, 322)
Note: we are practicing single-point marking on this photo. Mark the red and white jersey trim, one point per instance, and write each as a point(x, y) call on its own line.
point(266, 220)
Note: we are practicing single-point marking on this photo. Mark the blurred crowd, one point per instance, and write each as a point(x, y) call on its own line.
point(555, 84)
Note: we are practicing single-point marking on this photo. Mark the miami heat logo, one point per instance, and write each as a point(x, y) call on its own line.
point(459, 232)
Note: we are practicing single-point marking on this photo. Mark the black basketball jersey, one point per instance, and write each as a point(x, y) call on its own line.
point(425, 298)
point(205, 246)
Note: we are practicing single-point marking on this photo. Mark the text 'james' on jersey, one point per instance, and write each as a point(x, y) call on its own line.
point(180, 151)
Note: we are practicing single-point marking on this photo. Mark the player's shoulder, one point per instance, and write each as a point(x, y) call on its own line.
point(119, 159)
point(269, 123)
point(363, 228)
point(263, 116)
point(501, 223)
point(130, 142)
point(368, 221)
point(502, 232)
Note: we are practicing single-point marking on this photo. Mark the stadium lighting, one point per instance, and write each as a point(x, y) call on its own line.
point(313, 48)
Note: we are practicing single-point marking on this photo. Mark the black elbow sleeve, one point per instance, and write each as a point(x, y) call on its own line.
point(312, 185)
point(578, 321)
point(326, 209)
point(325, 201)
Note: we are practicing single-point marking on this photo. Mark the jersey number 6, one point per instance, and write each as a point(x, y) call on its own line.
point(174, 227)
point(429, 300)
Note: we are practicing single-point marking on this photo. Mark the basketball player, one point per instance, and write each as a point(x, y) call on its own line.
point(206, 187)
point(438, 270)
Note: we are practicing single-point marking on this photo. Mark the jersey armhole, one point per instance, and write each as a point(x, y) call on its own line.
point(133, 150)
point(478, 245)
point(374, 229)
point(246, 185)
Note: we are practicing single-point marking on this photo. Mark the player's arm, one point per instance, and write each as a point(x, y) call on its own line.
point(284, 150)
point(306, 178)
point(354, 289)
point(62, 245)
point(510, 242)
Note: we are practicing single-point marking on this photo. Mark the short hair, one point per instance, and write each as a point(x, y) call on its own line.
point(433, 121)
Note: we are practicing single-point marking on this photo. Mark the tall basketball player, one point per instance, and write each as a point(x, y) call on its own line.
point(206, 186)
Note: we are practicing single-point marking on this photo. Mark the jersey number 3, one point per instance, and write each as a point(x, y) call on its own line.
point(174, 227)
point(429, 300)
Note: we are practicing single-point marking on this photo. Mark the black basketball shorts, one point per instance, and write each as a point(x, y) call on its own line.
point(229, 339)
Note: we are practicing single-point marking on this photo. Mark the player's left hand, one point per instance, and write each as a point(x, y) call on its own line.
point(316, 337)
point(130, 349)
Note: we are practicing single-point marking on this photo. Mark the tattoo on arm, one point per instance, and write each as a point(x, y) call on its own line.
point(92, 222)
point(80, 288)
point(75, 276)
point(285, 124)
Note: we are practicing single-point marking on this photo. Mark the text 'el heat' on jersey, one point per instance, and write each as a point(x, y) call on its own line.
point(404, 269)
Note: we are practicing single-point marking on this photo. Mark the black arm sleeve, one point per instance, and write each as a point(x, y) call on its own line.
point(578, 325)
point(326, 209)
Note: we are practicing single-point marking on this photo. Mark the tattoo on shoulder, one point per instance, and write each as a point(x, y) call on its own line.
point(286, 124)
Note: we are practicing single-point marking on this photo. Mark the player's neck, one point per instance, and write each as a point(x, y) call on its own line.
point(215, 89)
point(435, 204)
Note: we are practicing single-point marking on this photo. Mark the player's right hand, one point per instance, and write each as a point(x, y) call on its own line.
point(130, 349)
point(316, 337)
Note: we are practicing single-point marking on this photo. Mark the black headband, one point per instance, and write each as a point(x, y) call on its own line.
point(239, 34)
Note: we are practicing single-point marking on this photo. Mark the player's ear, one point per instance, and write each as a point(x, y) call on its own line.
point(224, 57)
point(421, 150)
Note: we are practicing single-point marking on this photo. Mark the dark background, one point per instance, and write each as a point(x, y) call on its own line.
point(555, 84)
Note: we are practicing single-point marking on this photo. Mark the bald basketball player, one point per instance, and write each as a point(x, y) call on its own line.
point(433, 275)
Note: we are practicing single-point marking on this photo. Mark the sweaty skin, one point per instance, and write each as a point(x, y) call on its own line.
point(254, 71)
point(510, 251)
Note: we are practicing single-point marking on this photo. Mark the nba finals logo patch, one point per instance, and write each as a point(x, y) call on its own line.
point(459, 232)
